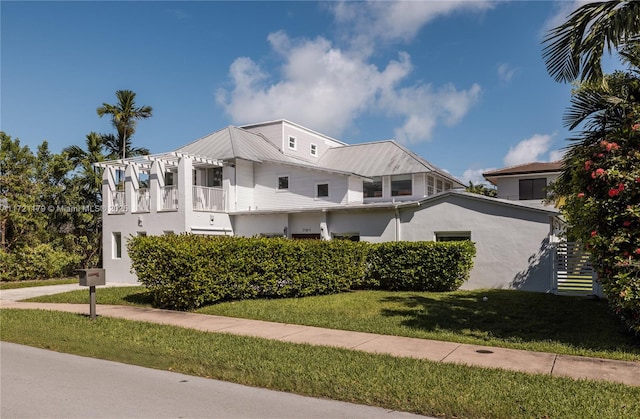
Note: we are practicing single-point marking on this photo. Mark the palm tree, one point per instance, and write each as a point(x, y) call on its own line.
point(574, 49)
point(90, 177)
point(124, 116)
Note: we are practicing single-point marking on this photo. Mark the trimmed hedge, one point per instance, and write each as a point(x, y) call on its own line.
point(184, 272)
point(421, 266)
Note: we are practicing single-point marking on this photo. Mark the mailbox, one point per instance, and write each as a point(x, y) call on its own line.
point(91, 277)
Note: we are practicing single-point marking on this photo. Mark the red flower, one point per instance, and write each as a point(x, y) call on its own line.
point(581, 195)
point(627, 223)
point(613, 192)
point(637, 251)
point(621, 187)
point(587, 165)
point(636, 127)
point(613, 146)
point(594, 233)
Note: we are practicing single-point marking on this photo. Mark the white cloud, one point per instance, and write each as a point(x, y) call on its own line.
point(563, 10)
point(392, 21)
point(327, 87)
point(528, 150)
point(506, 73)
point(556, 155)
point(475, 176)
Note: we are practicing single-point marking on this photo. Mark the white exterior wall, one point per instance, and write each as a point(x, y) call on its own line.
point(302, 188)
point(509, 187)
point(254, 225)
point(355, 194)
point(513, 249)
point(372, 225)
point(244, 186)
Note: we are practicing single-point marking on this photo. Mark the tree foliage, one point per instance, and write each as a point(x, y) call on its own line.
point(574, 49)
point(124, 117)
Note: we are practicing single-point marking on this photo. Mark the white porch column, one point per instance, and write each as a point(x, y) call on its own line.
point(156, 183)
point(130, 187)
point(185, 190)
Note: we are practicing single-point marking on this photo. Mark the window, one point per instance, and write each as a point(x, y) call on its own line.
point(322, 190)
point(210, 177)
point(373, 189)
point(214, 177)
point(117, 245)
point(401, 185)
point(533, 188)
point(168, 232)
point(439, 186)
point(283, 183)
point(292, 143)
point(142, 234)
point(169, 178)
point(354, 237)
point(453, 236)
point(447, 186)
point(431, 182)
point(314, 150)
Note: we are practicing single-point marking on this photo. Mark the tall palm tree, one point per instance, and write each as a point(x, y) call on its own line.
point(574, 49)
point(124, 116)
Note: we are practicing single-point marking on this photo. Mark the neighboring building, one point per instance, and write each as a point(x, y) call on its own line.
point(281, 179)
point(525, 182)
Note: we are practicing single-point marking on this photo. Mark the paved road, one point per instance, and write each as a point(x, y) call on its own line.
point(37, 383)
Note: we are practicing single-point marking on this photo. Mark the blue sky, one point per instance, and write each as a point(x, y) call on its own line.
point(462, 84)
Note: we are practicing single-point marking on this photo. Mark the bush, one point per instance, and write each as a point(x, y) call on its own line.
point(421, 266)
point(187, 271)
point(38, 262)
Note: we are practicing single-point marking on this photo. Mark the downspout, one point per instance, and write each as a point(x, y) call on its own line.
point(396, 213)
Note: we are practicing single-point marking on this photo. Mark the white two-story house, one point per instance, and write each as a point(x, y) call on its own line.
point(278, 178)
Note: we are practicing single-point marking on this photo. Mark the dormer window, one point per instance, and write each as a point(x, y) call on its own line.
point(532, 188)
point(313, 150)
point(373, 189)
point(292, 143)
point(401, 185)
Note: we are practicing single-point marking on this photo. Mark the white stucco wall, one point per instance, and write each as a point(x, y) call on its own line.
point(509, 187)
point(372, 225)
point(512, 244)
point(256, 224)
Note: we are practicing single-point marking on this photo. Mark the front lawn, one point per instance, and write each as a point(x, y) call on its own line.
point(419, 386)
point(9, 285)
point(511, 319)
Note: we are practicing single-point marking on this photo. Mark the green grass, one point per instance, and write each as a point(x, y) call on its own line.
point(411, 385)
point(9, 285)
point(510, 319)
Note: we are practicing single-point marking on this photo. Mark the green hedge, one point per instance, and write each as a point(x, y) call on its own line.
point(187, 271)
point(38, 262)
point(421, 266)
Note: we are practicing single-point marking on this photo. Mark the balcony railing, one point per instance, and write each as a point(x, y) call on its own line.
point(208, 199)
point(143, 203)
point(118, 203)
point(169, 197)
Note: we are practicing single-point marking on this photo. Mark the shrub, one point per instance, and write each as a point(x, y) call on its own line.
point(421, 266)
point(38, 262)
point(187, 271)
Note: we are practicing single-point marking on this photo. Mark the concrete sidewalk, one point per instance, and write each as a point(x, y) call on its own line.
point(481, 356)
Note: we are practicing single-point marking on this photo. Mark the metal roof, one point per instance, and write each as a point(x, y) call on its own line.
point(235, 143)
point(380, 158)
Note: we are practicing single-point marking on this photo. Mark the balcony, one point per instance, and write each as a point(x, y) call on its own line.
point(169, 197)
point(143, 203)
point(117, 203)
point(208, 199)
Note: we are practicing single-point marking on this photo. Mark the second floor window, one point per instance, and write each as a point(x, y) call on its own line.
point(292, 143)
point(373, 189)
point(283, 183)
point(401, 185)
point(322, 190)
point(532, 188)
point(314, 150)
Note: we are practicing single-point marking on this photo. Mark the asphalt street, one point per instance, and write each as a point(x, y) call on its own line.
point(37, 383)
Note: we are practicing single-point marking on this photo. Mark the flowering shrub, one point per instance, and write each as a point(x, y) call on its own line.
point(604, 213)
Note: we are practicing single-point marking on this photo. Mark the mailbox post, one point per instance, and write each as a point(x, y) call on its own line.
point(90, 278)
